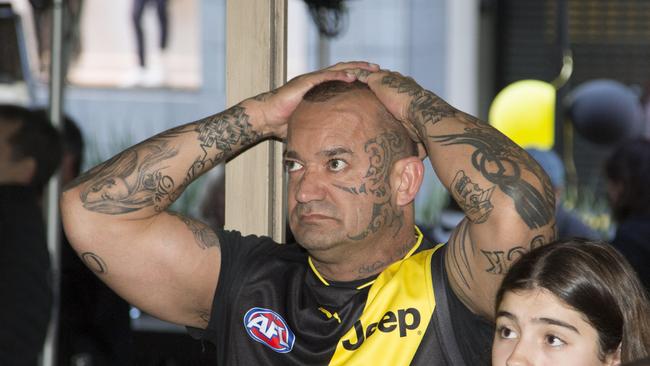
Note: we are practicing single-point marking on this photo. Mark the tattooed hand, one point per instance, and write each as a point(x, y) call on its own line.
point(278, 105)
point(404, 98)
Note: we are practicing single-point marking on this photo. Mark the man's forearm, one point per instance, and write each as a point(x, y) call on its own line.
point(149, 176)
point(495, 161)
point(505, 166)
point(499, 161)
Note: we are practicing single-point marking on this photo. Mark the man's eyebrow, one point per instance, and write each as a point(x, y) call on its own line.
point(335, 151)
point(291, 155)
point(558, 323)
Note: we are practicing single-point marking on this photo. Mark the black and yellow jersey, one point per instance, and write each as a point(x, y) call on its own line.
point(272, 307)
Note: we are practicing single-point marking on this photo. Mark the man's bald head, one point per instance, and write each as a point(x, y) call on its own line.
point(329, 91)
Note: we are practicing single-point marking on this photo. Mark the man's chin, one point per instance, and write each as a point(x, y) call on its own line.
point(317, 239)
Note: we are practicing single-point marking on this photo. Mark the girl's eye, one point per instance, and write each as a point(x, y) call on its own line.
point(292, 165)
point(507, 333)
point(554, 341)
point(336, 165)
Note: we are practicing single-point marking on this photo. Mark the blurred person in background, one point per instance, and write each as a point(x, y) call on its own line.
point(30, 152)
point(573, 302)
point(43, 11)
point(628, 190)
point(568, 224)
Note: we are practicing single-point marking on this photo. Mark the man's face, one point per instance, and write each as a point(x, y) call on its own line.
point(338, 163)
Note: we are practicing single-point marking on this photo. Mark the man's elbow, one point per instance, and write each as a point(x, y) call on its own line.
point(72, 217)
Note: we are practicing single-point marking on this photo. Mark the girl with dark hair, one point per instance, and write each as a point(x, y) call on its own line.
point(628, 188)
point(572, 302)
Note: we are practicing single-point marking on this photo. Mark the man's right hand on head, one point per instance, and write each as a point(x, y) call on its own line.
point(277, 105)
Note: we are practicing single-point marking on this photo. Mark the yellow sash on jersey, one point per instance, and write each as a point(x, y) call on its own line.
point(396, 315)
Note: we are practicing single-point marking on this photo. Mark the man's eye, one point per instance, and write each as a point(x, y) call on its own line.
point(336, 165)
point(554, 341)
point(507, 333)
point(292, 165)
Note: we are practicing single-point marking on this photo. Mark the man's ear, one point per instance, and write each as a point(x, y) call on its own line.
point(407, 178)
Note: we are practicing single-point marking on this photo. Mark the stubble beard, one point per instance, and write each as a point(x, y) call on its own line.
point(321, 234)
point(318, 237)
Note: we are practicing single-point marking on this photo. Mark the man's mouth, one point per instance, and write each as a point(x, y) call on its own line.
point(313, 217)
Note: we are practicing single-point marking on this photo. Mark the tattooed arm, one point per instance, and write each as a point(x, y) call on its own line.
point(115, 214)
point(507, 198)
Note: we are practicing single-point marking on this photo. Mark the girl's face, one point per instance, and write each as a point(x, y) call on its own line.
point(536, 328)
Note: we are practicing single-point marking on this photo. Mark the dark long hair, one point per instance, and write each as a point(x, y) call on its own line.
point(595, 280)
point(629, 166)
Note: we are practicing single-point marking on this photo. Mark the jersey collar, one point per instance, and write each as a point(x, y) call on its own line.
point(366, 283)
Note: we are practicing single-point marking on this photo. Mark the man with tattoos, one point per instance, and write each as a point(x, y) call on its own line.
point(361, 286)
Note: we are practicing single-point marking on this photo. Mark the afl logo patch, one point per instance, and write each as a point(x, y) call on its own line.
point(267, 327)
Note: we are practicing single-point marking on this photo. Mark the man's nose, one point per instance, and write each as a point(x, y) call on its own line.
point(310, 187)
point(521, 355)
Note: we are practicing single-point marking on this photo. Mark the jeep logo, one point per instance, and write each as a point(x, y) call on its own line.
point(406, 319)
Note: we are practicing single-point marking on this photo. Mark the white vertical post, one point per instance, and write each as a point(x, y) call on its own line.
point(461, 87)
point(255, 63)
point(53, 227)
